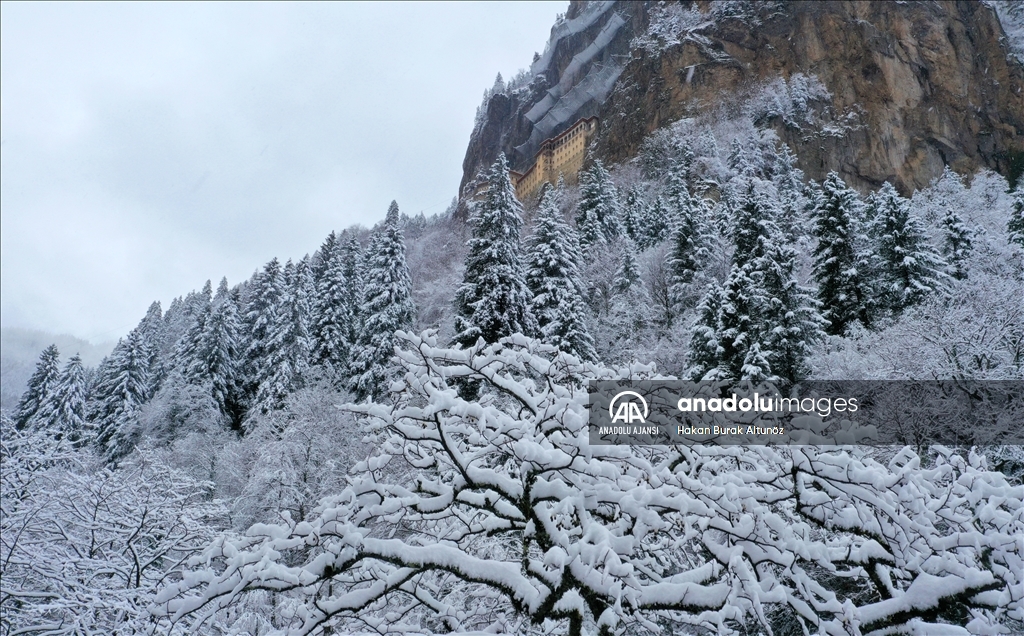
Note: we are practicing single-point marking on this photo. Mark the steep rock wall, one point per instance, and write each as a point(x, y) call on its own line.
point(913, 86)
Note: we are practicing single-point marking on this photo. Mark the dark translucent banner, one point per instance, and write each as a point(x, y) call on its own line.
point(948, 412)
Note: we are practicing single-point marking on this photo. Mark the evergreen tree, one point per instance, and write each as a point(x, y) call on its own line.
point(352, 259)
point(790, 320)
point(794, 201)
point(387, 307)
point(658, 224)
point(739, 321)
point(958, 241)
point(635, 213)
point(332, 328)
point(63, 412)
point(122, 388)
point(1015, 227)
point(153, 331)
point(688, 242)
point(221, 351)
point(261, 317)
point(40, 386)
point(705, 347)
point(628, 273)
point(840, 288)
point(629, 314)
point(553, 277)
point(494, 301)
point(323, 257)
point(597, 214)
point(754, 228)
point(909, 268)
point(288, 348)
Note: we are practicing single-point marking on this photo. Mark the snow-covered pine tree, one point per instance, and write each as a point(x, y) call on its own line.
point(754, 226)
point(688, 249)
point(705, 354)
point(221, 349)
point(739, 322)
point(264, 303)
point(352, 258)
point(635, 215)
point(40, 386)
point(63, 412)
point(840, 288)
point(387, 307)
point(289, 347)
point(189, 358)
point(597, 213)
point(910, 270)
point(790, 319)
point(628, 273)
point(332, 326)
point(794, 202)
point(958, 241)
point(494, 301)
point(122, 388)
point(658, 225)
point(153, 329)
point(553, 277)
point(323, 256)
point(1015, 226)
point(629, 314)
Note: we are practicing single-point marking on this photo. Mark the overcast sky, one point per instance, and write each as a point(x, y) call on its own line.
point(148, 147)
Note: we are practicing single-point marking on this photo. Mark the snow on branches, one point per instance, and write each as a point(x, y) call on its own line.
point(497, 514)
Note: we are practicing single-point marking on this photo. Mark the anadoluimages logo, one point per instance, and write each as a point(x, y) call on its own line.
point(628, 411)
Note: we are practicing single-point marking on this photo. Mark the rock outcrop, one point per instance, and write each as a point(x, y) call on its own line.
point(911, 86)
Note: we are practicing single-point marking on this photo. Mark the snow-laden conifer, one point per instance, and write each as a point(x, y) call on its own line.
point(62, 415)
point(958, 242)
point(910, 270)
point(122, 387)
point(387, 307)
point(553, 277)
point(705, 346)
point(332, 328)
point(841, 289)
point(635, 216)
point(40, 386)
point(1015, 226)
point(289, 343)
point(597, 213)
point(688, 241)
point(261, 316)
point(494, 300)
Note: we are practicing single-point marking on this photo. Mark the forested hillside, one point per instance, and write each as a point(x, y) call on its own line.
point(389, 434)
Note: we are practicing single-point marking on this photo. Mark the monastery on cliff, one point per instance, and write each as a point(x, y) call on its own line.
point(561, 155)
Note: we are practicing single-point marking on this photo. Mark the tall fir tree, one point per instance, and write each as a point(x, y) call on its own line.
point(332, 325)
point(121, 389)
point(63, 413)
point(842, 292)
point(629, 314)
point(352, 259)
point(40, 386)
point(628, 273)
point(288, 349)
point(553, 277)
point(688, 247)
point(597, 213)
point(705, 347)
point(387, 307)
point(222, 355)
point(635, 216)
point(739, 323)
point(261, 316)
point(790, 317)
point(958, 242)
point(754, 226)
point(494, 301)
point(1015, 226)
point(910, 270)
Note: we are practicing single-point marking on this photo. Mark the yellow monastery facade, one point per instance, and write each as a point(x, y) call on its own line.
point(562, 155)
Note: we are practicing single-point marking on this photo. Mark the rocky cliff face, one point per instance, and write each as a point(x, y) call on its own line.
point(908, 87)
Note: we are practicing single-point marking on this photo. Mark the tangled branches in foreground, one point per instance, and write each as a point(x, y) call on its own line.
point(497, 514)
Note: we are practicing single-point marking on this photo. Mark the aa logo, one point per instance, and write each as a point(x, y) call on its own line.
point(628, 410)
